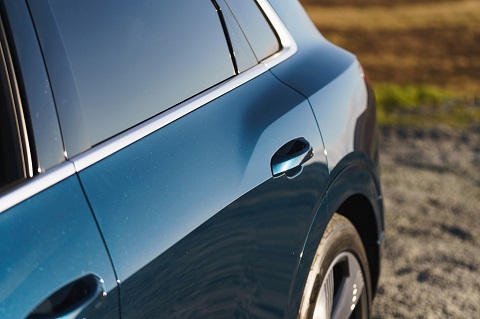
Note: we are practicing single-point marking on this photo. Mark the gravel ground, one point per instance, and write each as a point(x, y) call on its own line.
point(431, 186)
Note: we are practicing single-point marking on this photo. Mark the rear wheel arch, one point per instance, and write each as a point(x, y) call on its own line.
point(355, 193)
point(359, 211)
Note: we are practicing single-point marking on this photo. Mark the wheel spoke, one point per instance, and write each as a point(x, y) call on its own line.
point(349, 288)
point(323, 307)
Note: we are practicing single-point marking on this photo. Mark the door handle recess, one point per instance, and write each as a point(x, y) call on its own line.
point(290, 157)
point(71, 300)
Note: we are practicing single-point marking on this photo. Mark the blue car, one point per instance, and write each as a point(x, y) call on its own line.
point(184, 159)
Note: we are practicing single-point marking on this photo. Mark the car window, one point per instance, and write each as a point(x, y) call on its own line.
point(129, 64)
point(12, 156)
point(256, 28)
point(243, 55)
point(9, 149)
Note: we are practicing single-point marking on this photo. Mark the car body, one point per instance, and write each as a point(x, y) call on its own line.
point(177, 158)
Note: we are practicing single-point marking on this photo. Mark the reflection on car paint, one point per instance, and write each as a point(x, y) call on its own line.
point(250, 248)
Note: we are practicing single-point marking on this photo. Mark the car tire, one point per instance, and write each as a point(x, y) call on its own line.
point(338, 284)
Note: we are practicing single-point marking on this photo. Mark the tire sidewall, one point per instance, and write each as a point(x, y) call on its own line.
point(339, 236)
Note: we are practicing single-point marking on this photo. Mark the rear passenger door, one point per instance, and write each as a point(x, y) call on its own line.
point(53, 260)
point(176, 128)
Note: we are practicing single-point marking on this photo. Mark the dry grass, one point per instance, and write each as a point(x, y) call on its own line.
point(427, 42)
point(367, 3)
point(400, 18)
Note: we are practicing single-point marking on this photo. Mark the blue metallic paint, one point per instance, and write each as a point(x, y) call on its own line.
point(50, 240)
point(333, 83)
point(213, 156)
point(342, 104)
point(239, 263)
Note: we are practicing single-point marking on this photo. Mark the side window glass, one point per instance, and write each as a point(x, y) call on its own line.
point(262, 39)
point(11, 164)
point(132, 59)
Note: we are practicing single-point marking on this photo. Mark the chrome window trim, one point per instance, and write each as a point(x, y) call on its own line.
point(110, 146)
point(35, 185)
point(289, 47)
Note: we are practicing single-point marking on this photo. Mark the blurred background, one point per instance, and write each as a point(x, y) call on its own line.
point(423, 59)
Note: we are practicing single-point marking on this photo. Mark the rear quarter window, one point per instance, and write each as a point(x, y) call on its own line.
point(260, 35)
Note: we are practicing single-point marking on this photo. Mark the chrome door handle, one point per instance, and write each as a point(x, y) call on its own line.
point(290, 157)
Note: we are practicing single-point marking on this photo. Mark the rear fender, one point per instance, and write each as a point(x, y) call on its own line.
point(354, 180)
